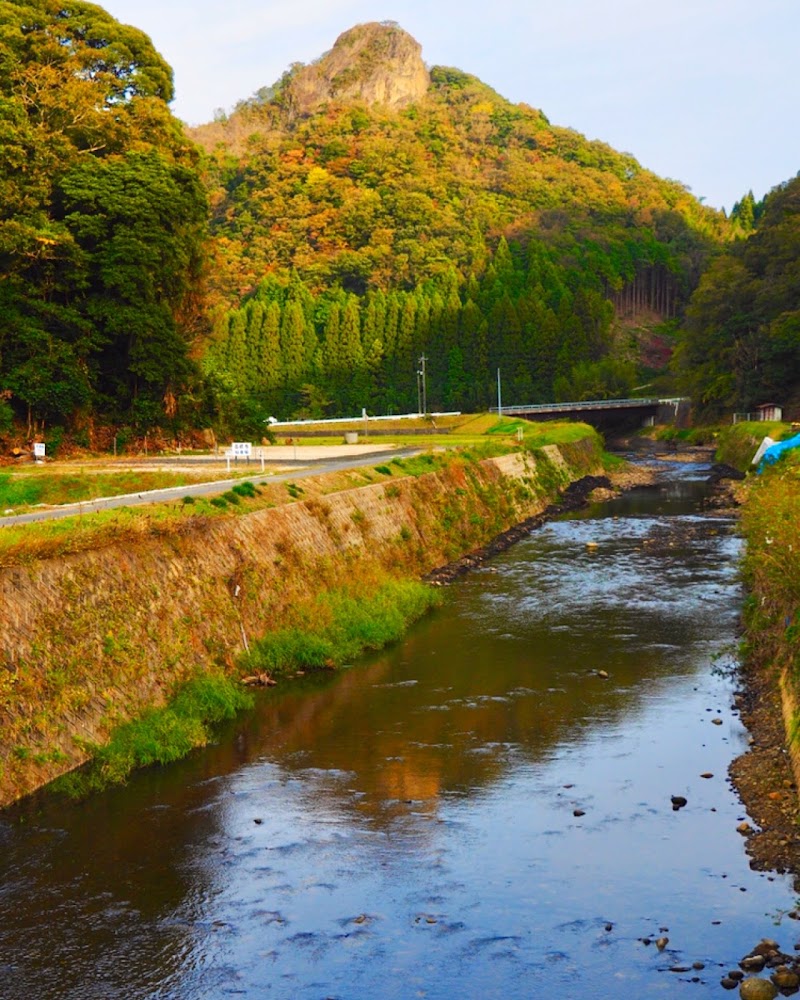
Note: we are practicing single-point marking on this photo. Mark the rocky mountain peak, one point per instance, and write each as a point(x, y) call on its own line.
point(377, 63)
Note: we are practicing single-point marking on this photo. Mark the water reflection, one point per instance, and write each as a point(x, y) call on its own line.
point(465, 814)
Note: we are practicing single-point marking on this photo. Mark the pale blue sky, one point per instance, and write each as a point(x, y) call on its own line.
point(704, 91)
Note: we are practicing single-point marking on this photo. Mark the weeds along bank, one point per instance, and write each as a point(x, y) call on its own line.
point(100, 636)
point(771, 524)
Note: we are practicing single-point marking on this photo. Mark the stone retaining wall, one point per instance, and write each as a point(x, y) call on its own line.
point(92, 639)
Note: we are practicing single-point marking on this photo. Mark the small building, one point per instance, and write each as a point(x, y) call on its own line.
point(769, 411)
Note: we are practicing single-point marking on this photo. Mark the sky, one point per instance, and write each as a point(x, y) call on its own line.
point(706, 92)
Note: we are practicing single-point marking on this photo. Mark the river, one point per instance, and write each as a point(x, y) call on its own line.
point(476, 812)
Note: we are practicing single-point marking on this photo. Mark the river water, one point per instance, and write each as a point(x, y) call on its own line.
point(410, 826)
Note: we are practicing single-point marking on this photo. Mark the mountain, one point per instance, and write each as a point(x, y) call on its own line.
point(364, 186)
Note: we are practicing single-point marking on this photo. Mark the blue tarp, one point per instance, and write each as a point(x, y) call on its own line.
point(775, 451)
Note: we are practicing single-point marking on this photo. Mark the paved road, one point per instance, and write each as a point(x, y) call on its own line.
point(297, 470)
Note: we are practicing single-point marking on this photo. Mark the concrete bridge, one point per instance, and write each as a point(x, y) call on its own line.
point(608, 414)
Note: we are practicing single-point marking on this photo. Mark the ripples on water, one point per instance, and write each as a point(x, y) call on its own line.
point(408, 827)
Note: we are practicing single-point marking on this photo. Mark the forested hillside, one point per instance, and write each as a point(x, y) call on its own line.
point(304, 252)
point(741, 345)
point(457, 226)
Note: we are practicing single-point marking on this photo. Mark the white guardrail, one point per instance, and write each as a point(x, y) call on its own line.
point(352, 420)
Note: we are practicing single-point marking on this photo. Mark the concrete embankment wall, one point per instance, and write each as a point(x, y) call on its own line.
point(92, 639)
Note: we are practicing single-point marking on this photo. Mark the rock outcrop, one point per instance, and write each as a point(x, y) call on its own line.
point(374, 63)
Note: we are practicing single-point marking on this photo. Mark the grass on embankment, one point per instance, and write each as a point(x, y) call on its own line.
point(771, 568)
point(334, 628)
point(338, 625)
point(159, 736)
point(451, 432)
point(19, 490)
point(738, 443)
point(45, 539)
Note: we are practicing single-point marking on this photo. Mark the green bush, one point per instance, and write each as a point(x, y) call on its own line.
point(245, 489)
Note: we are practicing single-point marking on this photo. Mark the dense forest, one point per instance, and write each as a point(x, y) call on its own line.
point(302, 254)
point(103, 220)
point(741, 342)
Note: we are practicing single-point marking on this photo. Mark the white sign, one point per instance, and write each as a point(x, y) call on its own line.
point(38, 449)
point(241, 449)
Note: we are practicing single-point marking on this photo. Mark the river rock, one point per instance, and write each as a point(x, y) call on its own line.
point(662, 943)
point(678, 802)
point(785, 979)
point(753, 963)
point(717, 722)
point(603, 674)
point(757, 989)
point(727, 983)
point(744, 827)
point(765, 946)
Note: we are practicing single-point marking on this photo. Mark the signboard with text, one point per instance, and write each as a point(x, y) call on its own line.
point(38, 449)
point(241, 449)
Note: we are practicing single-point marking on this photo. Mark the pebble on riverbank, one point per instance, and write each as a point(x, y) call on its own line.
point(767, 955)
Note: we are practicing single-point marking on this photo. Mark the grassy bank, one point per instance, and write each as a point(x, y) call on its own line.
point(444, 432)
point(770, 521)
point(159, 736)
point(331, 630)
point(340, 624)
point(20, 490)
point(738, 443)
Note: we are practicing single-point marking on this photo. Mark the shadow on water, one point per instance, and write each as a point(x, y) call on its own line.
point(476, 811)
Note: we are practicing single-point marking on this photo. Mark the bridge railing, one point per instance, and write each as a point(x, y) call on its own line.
point(592, 404)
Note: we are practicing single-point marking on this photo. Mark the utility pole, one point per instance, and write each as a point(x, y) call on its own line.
point(499, 396)
point(422, 387)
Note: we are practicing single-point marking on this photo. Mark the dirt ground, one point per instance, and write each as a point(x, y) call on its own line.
point(764, 780)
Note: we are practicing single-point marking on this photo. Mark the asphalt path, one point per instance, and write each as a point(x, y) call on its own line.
point(297, 470)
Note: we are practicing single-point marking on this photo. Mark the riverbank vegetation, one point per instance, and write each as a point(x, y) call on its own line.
point(770, 519)
point(738, 443)
point(329, 631)
point(159, 735)
point(341, 623)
